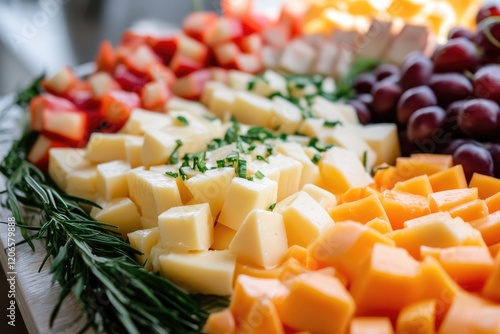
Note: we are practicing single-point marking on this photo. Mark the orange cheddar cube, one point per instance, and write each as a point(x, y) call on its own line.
point(345, 246)
point(448, 179)
point(486, 185)
point(386, 177)
point(220, 322)
point(420, 164)
point(491, 288)
point(494, 249)
point(447, 199)
point(356, 193)
point(253, 271)
point(262, 318)
point(380, 225)
point(296, 252)
point(362, 210)
point(401, 206)
point(387, 282)
point(418, 185)
point(317, 303)
point(493, 203)
point(372, 325)
point(489, 227)
point(419, 317)
point(469, 211)
point(291, 268)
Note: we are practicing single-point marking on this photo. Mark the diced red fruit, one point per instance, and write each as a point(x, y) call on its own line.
point(106, 57)
point(292, 14)
point(66, 125)
point(254, 23)
point(225, 29)
point(61, 82)
point(251, 43)
point(196, 23)
point(132, 37)
point(39, 152)
point(46, 102)
point(100, 83)
point(154, 95)
point(249, 63)
point(140, 59)
point(160, 72)
point(82, 97)
point(164, 46)
point(129, 80)
point(488, 10)
point(277, 35)
point(116, 107)
point(238, 8)
point(191, 86)
point(183, 65)
point(225, 54)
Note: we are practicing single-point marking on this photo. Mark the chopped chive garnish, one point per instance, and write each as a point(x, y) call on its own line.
point(174, 157)
point(261, 158)
point(316, 158)
point(242, 168)
point(233, 156)
point(172, 174)
point(210, 118)
point(221, 164)
point(183, 120)
point(182, 173)
point(365, 158)
point(259, 175)
point(283, 136)
point(330, 124)
point(272, 206)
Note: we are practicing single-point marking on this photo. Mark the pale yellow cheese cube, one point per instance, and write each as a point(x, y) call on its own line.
point(133, 151)
point(104, 147)
point(112, 179)
point(63, 161)
point(252, 109)
point(186, 195)
point(243, 196)
point(208, 272)
point(211, 187)
point(120, 212)
point(221, 101)
point(286, 117)
point(270, 83)
point(304, 218)
point(326, 199)
point(209, 88)
point(341, 169)
point(310, 171)
point(314, 128)
point(152, 192)
point(261, 239)
point(272, 172)
point(383, 139)
point(82, 183)
point(141, 120)
point(157, 148)
point(154, 257)
point(333, 111)
point(290, 174)
point(239, 80)
point(176, 103)
point(148, 223)
point(222, 237)
point(186, 228)
point(144, 241)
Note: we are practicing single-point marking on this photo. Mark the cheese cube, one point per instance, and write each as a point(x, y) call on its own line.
point(186, 228)
point(327, 56)
point(343, 62)
point(211, 187)
point(157, 148)
point(377, 41)
point(141, 120)
point(104, 147)
point(112, 179)
point(272, 172)
point(286, 117)
point(298, 57)
point(341, 169)
point(270, 83)
point(144, 241)
point(310, 171)
point(82, 183)
point(221, 101)
point(133, 151)
point(154, 257)
point(304, 218)
point(208, 272)
point(243, 196)
point(261, 239)
point(290, 174)
point(62, 161)
point(239, 80)
point(186, 195)
point(120, 212)
point(223, 236)
point(176, 103)
point(326, 199)
point(383, 139)
point(152, 192)
point(315, 128)
point(208, 90)
point(252, 109)
point(331, 111)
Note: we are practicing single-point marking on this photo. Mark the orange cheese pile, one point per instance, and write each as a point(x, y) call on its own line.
point(417, 252)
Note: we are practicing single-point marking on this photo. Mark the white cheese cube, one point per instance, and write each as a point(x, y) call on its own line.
point(186, 195)
point(104, 147)
point(315, 128)
point(176, 103)
point(144, 241)
point(327, 56)
point(344, 62)
point(324, 198)
point(290, 174)
point(286, 116)
point(252, 109)
point(112, 179)
point(208, 272)
point(310, 171)
point(383, 139)
point(244, 196)
point(208, 90)
point(261, 239)
point(341, 169)
point(211, 187)
point(221, 101)
point(239, 80)
point(141, 120)
point(186, 228)
point(62, 161)
point(120, 212)
point(298, 57)
point(223, 236)
point(376, 40)
point(270, 83)
point(82, 183)
point(152, 192)
point(148, 223)
point(133, 150)
point(272, 172)
point(304, 218)
point(154, 257)
point(157, 148)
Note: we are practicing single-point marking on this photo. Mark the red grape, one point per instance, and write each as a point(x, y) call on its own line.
point(452, 112)
point(413, 99)
point(474, 159)
point(455, 144)
point(486, 11)
point(385, 70)
point(385, 98)
point(488, 36)
point(457, 32)
point(365, 98)
point(479, 118)
point(487, 82)
point(362, 110)
point(450, 87)
point(416, 71)
point(364, 83)
point(456, 55)
point(424, 122)
point(495, 154)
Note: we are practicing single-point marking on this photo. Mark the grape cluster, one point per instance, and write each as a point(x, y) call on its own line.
point(448, 103)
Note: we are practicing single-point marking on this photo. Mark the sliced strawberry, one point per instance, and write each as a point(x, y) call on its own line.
point(61, 82)
point(82, 97)
point(154, 95)
point(192, 48)
point(160, 72)
point(39, 152)
point(277, 36)
point(196, 23)
point(249, 62)
point(49, 102)
point(140, 59)
point(131, 36)
point(116, 107)
point(225, 29)
point(164, 45)
point(100, 83)
point(129, 80)
point(254, 23)
point(183, 65)
point(69, 126)
point(192, 85)
point(225, 54)
point(106, 57)
point(251, 43)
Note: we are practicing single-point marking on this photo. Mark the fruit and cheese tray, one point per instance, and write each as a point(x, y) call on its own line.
point(333, 168)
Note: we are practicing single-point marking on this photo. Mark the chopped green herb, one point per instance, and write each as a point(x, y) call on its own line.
point(271, 207)
point(330, 124)
point(314, 142)
point(174, 157)
point(221, 164)
point(316, 158)
point(376, 169)
point(172, 174)
point(210, 118)
point(261, 158)
point(233, 156)
point(24, 97)
point(365, 158)
point(241, 169)
point(259, 175)
point(283, 136)
point(183, 120)
point(269, 150)
point(182, 173)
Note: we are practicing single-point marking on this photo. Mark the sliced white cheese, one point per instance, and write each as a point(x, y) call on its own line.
point(315, 128)
point(63, 161)
point(120, 212)
point(272, 172)
point(112, 179)
point(144, 241)
point(154, 257)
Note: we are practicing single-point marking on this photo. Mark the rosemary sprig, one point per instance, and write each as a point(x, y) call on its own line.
point(89, 260)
